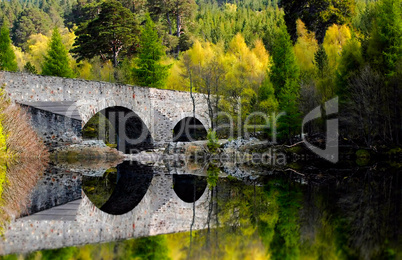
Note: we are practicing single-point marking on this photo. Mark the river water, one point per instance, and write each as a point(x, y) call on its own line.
point(135, 211)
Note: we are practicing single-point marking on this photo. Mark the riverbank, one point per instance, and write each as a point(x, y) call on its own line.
point(241, 158)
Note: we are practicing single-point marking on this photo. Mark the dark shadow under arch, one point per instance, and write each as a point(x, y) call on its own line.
point(120, 192)
point(119, 127)
point(189, 129)
point(189, 188)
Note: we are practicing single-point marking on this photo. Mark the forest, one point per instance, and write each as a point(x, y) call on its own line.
point(245, 55)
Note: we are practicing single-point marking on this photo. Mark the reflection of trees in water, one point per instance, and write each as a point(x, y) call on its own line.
point(285, 242)
point(246, 216)
point(99, 189)
point(370, 214)
point(356, 218)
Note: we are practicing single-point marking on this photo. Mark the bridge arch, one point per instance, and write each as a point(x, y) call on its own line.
point(189, 128)
point(120, 126)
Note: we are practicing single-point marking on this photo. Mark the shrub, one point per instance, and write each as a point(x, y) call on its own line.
point(213, 143)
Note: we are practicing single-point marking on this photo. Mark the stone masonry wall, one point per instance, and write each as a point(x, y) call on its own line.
point(54, 129)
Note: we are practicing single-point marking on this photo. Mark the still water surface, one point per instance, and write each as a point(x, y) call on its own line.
point(139, 212)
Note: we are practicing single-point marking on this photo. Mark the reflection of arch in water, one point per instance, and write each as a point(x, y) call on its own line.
point(189, 188)
point(121, 126)
point(189, 129)
point(132, 183)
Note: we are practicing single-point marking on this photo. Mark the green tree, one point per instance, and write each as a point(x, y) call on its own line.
point(266, 97)
point(385, 47)
point(56, 61)
point(30, 21)
point(9, 11)
point(174, 13)
point(318, 15)
point(7, 56)
point(321, 61)
point(285, 78)
point(30, 68)
point(149, 71)
point(350, 64)
point(111, 35)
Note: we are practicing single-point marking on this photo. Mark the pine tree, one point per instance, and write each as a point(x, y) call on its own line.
point(56, 61)
point(385, 45)
point(149, 71)
point(112, 34)
point(285, 78)
point(8, 60)
point(321, 61)
point(30, 68)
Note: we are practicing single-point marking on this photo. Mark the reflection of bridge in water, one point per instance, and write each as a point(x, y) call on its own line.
point(162, 203)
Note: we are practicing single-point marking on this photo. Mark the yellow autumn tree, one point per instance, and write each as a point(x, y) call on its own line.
point(305, 48)
point(37, 47)
point(226, 77)
point(21, 57)
point(335, 38)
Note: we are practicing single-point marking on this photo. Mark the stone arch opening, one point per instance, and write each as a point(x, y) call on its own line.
point(119, 127)
point(189, 188)
point(189, 129)
point(120, 189)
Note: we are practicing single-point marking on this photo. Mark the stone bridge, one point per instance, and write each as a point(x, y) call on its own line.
point(61, 107)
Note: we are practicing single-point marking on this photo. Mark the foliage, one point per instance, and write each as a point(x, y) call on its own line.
point(267, 98)
point(30, 21)
point(176, 19)
point(213, 142)
point(112, 34)
point(385, 46)
point(98, 190)
point(335, 40)
point(213, 176)
point(321, 61)
point(305, 49)
point(30, 68)
point(284, 77)
point(149, 71)
point(221, 22)
point(56, 61)
point(7, 55)
point(350, 64)
point(317, 15)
